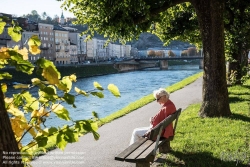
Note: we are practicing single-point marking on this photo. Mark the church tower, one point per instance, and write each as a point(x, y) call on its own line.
point(62, 19)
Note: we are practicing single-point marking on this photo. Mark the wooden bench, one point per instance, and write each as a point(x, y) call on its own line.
point(143, 151)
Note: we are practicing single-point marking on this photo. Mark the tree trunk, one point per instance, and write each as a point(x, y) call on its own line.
point(239, 56)
point(9, 152)
point(215, 94)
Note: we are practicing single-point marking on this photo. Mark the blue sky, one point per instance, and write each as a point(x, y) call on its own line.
point(20, 7)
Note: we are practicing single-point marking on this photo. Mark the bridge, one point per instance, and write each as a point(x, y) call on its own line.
point(164, 60)
point(169, 58)
point(148, 62)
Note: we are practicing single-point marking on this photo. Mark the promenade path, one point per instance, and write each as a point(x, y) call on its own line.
point(115, 136)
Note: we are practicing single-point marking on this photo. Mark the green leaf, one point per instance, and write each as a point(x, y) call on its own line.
point(5, 75)
point(87, 126)
point(31, 102)
point(98, 86)
point(70, 99)
point(49, 90)
point(35, 81)
point(95, 114)
point(47, 94)
point(20, 64)
point(50, 131)
point(34, 40)
point(2, 25)
point(41, 141)
point(94, 127)
point(69, 135)
point(98, 94)
point(82, 92)
point(51, 75)
point(60, 111)
point(62, 86)
point(43, 63)
point(21, 86)
point(15, 33)
point(4, 87)
point(67, 83)
point(114, 90)
point(60, 141)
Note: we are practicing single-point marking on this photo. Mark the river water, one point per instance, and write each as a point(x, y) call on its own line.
point(132, 86)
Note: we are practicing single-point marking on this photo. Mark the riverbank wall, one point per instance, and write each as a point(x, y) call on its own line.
point(80, 71)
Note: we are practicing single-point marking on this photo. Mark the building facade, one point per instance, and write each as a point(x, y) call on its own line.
point(47, 47)
point(75, 38)
point(73, 54)
point(62, 46)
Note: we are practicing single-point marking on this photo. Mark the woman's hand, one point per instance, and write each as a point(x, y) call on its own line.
point(147, 134)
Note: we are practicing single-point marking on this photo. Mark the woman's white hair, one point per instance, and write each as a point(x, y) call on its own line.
point(161, 92)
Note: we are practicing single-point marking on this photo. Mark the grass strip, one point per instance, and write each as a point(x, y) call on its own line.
point(148, 99)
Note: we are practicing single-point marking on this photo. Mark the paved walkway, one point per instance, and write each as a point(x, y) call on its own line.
point(115, 136)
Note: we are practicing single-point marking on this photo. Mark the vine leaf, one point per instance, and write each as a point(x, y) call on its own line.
point(51, 75)
point(114, 90)
point(98, 86)
point(61, 112)
point(4, 54)
point(60, 141)
point(98, 94)
point(5, 75)
point(34, 40)
point(82, 92)
point(2, 25)
point(15, 33)
point(70, 99)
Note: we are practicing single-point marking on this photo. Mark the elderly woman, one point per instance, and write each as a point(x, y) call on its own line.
point(168, 108)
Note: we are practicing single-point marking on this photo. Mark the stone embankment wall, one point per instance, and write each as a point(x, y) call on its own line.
point(81, 71)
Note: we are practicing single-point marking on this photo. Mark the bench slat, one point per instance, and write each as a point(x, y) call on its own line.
point(132, 157)
point(147, 152)
point(130, 149)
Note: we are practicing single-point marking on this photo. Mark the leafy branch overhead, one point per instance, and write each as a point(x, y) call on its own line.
point(28, 112)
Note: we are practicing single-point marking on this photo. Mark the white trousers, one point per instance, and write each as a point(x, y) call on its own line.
point(138, 133)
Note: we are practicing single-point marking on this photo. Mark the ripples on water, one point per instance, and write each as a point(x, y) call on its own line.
point(132, 85)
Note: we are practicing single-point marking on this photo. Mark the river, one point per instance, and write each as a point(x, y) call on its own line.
point(132, 86)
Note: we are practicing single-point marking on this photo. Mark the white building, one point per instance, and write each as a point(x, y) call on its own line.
point(73, 54)
point(81, 45)
point(97, 51)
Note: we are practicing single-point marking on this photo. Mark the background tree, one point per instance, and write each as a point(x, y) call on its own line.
point(151, 53)
point(171, 53)
point(184, 53)
point(126, 20)
point(160, 53)
point(44, 15)
point(192, 51)
point(33, 16)
point(183, 26)
point(237, 21)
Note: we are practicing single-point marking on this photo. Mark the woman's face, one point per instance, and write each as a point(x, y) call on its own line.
point(161, 99)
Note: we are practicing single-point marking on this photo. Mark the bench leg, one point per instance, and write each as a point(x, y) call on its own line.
point(165, 147)
point(142, 164)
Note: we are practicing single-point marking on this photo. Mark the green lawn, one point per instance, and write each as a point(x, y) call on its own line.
point(214, 142)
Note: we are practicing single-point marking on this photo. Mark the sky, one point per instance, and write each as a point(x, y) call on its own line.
point(20, 7)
